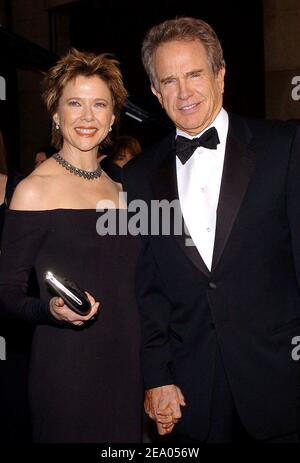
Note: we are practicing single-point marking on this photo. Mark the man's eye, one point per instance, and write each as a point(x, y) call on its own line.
point(100, 104)
point(169, 81)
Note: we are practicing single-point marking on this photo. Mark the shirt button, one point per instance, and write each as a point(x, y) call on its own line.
point(212, 285)
point(202, 189)
point(208, 229)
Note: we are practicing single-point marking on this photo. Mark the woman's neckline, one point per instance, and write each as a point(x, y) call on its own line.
point(65, 209)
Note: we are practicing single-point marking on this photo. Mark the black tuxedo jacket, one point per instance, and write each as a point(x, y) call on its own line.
point(249, 303)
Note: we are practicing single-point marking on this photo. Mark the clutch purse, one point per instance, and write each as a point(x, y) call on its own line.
point(73, 296)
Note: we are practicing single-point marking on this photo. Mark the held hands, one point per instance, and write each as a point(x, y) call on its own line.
point(162, 404)
point(61, 311)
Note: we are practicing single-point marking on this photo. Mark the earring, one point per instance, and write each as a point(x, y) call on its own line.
point(110, 129)
point(57, 126)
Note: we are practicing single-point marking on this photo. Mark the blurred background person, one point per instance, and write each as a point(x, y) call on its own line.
point(39, 158)
point(42, 154)
point(3, 168)
point(123, 149)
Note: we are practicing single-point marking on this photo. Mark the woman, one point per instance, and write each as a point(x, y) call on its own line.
point(78, 363)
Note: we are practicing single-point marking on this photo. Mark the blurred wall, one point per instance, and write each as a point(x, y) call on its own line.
point(282, 57)
point(47, 23)
point(30, 20)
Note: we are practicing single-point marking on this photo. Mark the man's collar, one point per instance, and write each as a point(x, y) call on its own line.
point(220, 123)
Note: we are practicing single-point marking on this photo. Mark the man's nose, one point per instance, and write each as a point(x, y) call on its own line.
point(184, 90)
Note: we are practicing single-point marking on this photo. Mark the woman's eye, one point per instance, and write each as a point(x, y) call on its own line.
point(100, 104)
point(74, 103)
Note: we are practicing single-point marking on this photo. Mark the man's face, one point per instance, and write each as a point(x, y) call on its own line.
point(188, 90)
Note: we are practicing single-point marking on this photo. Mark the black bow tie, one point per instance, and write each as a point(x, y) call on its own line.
point(186, 147)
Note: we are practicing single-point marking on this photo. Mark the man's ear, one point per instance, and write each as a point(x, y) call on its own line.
point(221, 79)
point(158, 95)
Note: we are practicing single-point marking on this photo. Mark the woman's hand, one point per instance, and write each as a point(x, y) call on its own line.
point(61, 311)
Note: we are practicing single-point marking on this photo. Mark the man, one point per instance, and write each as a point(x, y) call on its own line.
point(218, 317)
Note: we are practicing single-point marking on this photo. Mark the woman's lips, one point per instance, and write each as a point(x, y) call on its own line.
point(86, 131)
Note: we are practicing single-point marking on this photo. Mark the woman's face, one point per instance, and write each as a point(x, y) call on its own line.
point(85, 113)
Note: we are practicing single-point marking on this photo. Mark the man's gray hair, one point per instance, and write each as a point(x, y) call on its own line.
point(181, 28)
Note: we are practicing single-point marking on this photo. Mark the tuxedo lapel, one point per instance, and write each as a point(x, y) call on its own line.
point(164, 186)
point(238, 167)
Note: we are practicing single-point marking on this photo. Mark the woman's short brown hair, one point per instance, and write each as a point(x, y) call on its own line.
point(76, 63)
point(182, 28)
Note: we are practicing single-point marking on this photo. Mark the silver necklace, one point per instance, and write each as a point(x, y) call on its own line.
point(75, 170)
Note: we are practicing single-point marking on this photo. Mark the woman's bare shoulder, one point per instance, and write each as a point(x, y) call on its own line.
point(30, 193)
point(116, 191)
point(117, 187)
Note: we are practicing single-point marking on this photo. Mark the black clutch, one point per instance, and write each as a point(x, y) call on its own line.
point(73, 296)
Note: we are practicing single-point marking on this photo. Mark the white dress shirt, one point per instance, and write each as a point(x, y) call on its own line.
point(199, 182)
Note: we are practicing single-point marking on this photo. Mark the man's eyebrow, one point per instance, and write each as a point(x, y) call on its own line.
point(189, 73)
point(194, 71)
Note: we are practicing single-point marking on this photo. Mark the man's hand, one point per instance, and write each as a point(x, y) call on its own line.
point(162, 404)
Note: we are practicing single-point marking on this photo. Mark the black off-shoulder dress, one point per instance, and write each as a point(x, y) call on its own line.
point(84, 383)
